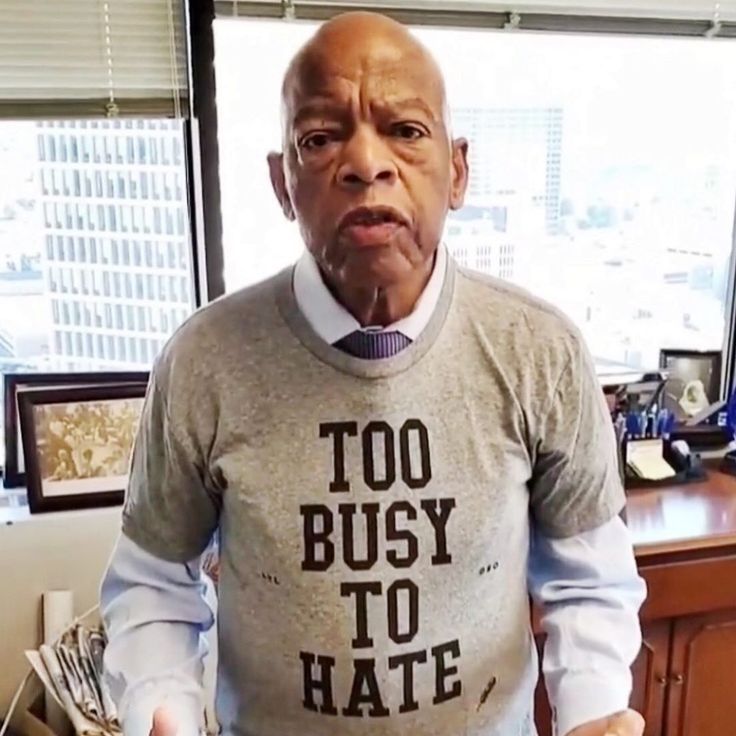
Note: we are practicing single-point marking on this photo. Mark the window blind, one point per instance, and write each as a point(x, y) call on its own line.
point(92, 58)
point(679, 17)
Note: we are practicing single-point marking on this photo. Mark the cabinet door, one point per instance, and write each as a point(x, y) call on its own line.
point(542, 711)
point(701, 699)
point(650, 681)
point(650, 676)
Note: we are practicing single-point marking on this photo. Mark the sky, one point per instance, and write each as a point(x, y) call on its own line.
point(662, 103)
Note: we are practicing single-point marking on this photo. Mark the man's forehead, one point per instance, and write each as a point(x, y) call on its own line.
point(386, 73)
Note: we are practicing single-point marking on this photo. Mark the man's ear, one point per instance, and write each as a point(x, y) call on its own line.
point(459, 182)
point(278, 182)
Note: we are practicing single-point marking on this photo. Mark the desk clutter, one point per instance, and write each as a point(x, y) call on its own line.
point(665, 418)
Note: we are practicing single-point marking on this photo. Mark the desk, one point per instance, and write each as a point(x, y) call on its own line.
point(676, 519)
point(685, 544)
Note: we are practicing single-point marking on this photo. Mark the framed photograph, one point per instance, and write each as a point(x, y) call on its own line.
point(14, 383)
point(693, 381)
point(77, 443)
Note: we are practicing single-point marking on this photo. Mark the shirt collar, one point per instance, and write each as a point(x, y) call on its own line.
point(331, 321)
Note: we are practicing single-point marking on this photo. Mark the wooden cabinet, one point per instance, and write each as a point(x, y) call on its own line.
point(650, 676)
point(701, 692)
point(684, 677)
point(685, 674)
point(542, 711)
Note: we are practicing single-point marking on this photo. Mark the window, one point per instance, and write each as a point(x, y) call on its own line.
point(51, 224)
point(611, 201)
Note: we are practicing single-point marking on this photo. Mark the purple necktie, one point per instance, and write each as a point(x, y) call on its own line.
point(373, 345)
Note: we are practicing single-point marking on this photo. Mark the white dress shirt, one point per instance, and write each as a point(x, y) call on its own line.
point(587, 585)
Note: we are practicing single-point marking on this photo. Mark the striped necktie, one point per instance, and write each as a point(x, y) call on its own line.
point(373, 345)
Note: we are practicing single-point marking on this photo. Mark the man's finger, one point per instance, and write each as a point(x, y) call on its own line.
point(629, 723)
point(164, 723)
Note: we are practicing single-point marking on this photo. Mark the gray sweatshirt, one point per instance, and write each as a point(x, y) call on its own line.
point(374, 515)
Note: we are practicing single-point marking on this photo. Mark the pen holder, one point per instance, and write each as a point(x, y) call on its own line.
point(688, 469)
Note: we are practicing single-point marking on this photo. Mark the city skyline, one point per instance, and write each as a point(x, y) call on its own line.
point(638, 252)
point(95, 253)
point(115, 225)
point(616, 208)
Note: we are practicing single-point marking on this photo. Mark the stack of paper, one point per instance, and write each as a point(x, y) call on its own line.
point(646, 459)
point(72, 671)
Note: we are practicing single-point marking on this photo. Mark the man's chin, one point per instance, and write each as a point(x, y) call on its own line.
point(376, 267)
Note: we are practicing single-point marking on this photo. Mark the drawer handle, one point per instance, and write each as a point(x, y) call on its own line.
point(662, 680)
point(678, 679)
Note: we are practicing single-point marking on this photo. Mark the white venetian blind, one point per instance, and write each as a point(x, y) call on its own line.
point(704, 11)
point(90, 58)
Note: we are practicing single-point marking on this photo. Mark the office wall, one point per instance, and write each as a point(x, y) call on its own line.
point(49, 551)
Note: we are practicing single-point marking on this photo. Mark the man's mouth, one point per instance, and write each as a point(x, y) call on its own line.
point(367, 226)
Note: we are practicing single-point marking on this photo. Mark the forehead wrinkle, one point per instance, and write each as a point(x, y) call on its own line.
point(386, 53)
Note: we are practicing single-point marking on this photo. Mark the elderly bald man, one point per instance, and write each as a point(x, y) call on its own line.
point(393, 451)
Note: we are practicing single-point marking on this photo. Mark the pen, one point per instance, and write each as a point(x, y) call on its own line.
point(652, 428)
point(632, 426)
point(669, 425)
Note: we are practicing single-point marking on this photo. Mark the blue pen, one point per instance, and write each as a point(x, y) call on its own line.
point(652, 427)
point(632, 426)
point(669, 425)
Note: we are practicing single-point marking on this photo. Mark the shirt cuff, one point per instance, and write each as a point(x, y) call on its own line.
point(584, 696)
point(185, 708)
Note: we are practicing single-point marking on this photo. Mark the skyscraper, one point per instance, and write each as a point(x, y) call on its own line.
point(514, 192)
point(515, 153)
point(117, 247)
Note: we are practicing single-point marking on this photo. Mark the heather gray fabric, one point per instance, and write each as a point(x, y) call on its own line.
point(374, 515)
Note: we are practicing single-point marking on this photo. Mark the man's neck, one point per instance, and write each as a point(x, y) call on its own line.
point(383, 306)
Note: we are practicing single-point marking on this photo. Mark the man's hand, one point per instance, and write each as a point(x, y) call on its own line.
point(164, 723)
point(628, 723)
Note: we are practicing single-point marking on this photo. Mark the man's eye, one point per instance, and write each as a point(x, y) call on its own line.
point(315, 141)
point(409, 132)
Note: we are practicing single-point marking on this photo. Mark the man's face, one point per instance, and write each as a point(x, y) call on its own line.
point(368, 169)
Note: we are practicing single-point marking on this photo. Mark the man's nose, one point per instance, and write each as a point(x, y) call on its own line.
point(366, 160)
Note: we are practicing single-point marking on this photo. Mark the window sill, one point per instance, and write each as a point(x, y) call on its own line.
point(17, 513)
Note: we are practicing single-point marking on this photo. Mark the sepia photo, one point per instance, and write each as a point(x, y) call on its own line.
point(15, 384)
point(78, 443)
point(89, 441)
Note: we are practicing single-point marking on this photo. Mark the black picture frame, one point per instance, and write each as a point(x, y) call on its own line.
point(13, 472)
point(702, 365)
point(77, 491)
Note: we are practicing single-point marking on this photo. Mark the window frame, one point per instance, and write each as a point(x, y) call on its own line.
point(199, 133)
point(63, 280)
point(203, 97)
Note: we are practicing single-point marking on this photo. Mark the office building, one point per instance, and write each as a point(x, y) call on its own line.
point(477, 241)
point(116, 256)
point(515, 153)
